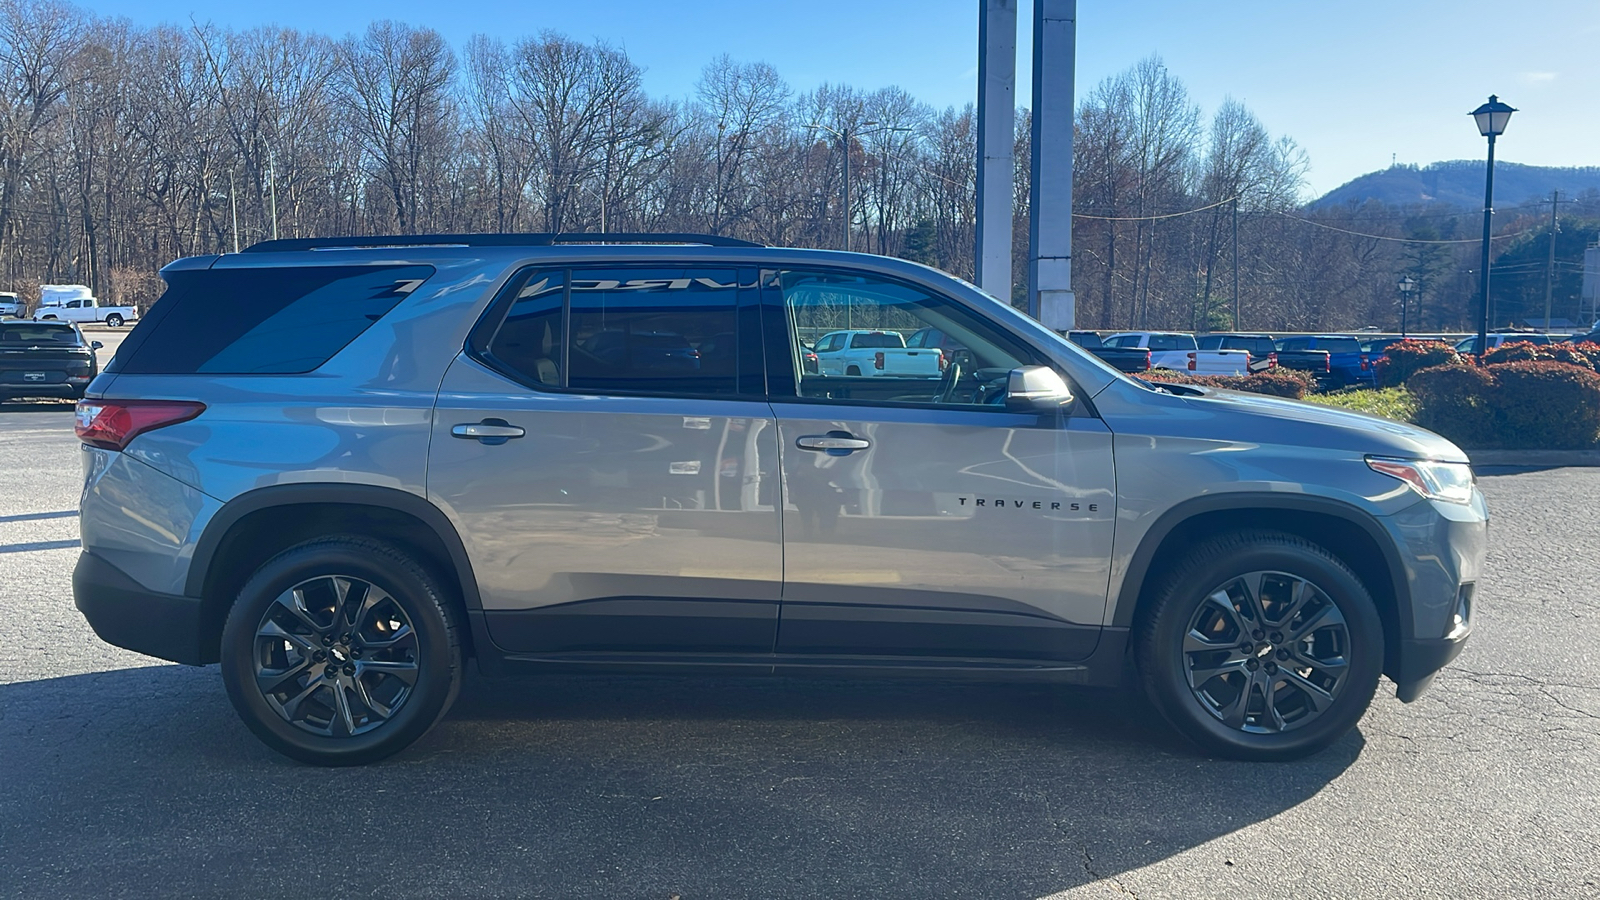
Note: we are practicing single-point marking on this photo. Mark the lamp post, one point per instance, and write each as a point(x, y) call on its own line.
point(844, 144)
point(1407, 285)
point(1492, 118)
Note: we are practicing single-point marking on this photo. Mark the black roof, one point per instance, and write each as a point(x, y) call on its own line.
point(489, 240)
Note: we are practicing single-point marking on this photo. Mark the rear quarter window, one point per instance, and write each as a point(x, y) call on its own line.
point(262, 321)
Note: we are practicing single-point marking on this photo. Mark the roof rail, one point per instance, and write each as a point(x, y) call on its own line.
point(489, 240)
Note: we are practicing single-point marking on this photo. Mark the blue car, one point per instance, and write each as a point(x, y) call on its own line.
point(1347, 363)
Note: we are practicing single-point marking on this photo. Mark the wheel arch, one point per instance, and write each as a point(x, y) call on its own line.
point(255, 526)
point(1351, 534)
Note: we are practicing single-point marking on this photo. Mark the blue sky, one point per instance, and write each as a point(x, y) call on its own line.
point(1353, 82)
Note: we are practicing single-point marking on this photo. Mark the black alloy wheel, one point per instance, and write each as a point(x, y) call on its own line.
point(341, 651)
point(1261, 645)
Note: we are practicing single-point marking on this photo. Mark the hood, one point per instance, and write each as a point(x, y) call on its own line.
point(1259, 419)
point(1338, 428)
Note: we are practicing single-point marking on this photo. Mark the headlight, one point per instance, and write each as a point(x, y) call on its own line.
point(1447, 481)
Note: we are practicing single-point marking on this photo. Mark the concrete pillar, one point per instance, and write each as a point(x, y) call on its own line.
point(997, 109)
point(1050, 298)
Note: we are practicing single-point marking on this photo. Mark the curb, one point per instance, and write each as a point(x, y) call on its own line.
point(1546, 459)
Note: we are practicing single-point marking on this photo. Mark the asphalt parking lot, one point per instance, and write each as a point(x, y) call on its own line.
point(123, 776)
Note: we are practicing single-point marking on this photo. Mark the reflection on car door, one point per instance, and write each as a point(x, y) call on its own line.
point(624, 498)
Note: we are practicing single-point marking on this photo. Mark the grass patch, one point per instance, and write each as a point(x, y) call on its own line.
point(1394, 403)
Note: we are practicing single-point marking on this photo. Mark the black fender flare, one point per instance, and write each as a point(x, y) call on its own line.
point(1143, 557)
point(343, 494)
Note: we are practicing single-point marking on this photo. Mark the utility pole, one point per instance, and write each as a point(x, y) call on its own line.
point(233, 204)
point(272, 184)
point(845, 141)
point(1236, 325)
point(1550, 264)
point(997, 108)
point(1050, 297)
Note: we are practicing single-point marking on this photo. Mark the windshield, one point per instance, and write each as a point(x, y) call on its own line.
point(877, 339)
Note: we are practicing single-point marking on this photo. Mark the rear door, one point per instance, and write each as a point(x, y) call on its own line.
point(922, 520)
point(605, 450)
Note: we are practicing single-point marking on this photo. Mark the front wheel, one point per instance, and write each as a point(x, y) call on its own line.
point(341, 651)
point(114, 320)
point(1262, 646)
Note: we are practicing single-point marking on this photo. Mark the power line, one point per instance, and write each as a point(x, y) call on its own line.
point(1384, 237)
point(1187, 212)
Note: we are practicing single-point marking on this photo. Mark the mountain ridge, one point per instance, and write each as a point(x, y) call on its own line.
point(1459, 182)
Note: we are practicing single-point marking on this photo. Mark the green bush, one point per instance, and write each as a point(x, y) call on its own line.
point(1546, 404)
point(1274, 382)
point(1455, 401)
point(1407, 357)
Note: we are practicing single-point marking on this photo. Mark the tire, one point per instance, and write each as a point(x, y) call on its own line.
point(114, 320)
point(853, 370)
point(1202, 625)
point(282, 629)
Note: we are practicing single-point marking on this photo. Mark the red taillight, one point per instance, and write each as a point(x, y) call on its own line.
point(1148, 363)
point(1191, 361)
point(877, 360)
point(1363, 362)
point(943, 363)
point(1272, 360)
point(1327, 363)
point(111, 424)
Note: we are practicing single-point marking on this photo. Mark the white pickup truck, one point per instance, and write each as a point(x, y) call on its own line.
point(873, 353)
point(1179, 352)
point(74, 303)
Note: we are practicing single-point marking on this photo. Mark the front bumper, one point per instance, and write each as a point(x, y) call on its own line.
point(1442, 547)
point(124, 613)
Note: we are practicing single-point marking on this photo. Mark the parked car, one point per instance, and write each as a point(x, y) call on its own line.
point(72, 303)
point(343, 515)
point(1179, 352)
point(1499, 339)
point(1123, 359)
point(11, 306)
point(875, 353)
point(1264, 353)
point(45, 359)
point(1347, 363)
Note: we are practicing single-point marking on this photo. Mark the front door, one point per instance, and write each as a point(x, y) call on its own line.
point(605, 453)
point(921, 518)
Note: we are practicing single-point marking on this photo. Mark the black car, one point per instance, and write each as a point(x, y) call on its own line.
point(45, 359)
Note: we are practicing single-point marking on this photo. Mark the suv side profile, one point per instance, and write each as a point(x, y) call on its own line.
point(342, 468)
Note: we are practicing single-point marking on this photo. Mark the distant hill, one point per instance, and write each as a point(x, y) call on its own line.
point(1460, 183)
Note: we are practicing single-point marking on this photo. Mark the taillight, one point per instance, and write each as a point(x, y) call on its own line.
point(1148, 362)
point(943, 363)
point(1327, 363)
point(1363, 362)
point(1191, 361)
point(877, 360)
point(111, 424)
point(1272, 360)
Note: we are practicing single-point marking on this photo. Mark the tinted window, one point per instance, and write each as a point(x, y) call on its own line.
point(1294, 344)
point(528, 341)
point(654, 330)
point(250, 321)
point(40, 333)
point(876, 340)
point(1123, 340)
point(1339, 345)
point(1171, 342)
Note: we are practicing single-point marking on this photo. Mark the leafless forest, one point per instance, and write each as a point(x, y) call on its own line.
point(124, 147)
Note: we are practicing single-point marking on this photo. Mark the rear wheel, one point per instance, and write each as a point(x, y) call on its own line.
point(114, 320)
point(341, 651)
point(1261, 645)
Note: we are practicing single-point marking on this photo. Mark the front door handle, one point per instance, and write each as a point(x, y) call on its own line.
point(835, 443)
point(489, 431)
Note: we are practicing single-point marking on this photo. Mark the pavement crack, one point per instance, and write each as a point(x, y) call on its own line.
point(1088, 869)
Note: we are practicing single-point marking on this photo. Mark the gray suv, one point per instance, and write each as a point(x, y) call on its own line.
point(343, 467)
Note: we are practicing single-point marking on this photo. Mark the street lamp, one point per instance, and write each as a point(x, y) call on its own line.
point(1407, 285)
point(844, 144)
point(1492, 118)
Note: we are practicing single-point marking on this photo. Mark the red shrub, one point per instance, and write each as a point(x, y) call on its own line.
point(1404, 358)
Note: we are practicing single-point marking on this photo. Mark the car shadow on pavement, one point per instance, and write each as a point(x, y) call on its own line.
point(143, 782)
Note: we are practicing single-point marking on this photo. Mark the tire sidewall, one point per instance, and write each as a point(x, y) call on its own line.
point(438, 656)
point(1168, 679)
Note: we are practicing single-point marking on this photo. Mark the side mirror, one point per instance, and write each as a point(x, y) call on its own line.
point(95, 345)
point(1038, 389)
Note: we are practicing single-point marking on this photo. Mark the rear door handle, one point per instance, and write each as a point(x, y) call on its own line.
point(489, 431)
point(834, 443)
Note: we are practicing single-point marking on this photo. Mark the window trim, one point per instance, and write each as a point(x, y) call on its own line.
point(746, 301)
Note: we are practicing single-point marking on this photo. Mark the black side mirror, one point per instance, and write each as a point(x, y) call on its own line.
point(95, 345)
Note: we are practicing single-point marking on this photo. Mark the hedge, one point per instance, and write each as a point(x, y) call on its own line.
point(1530, 403)
point(1274, 382)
